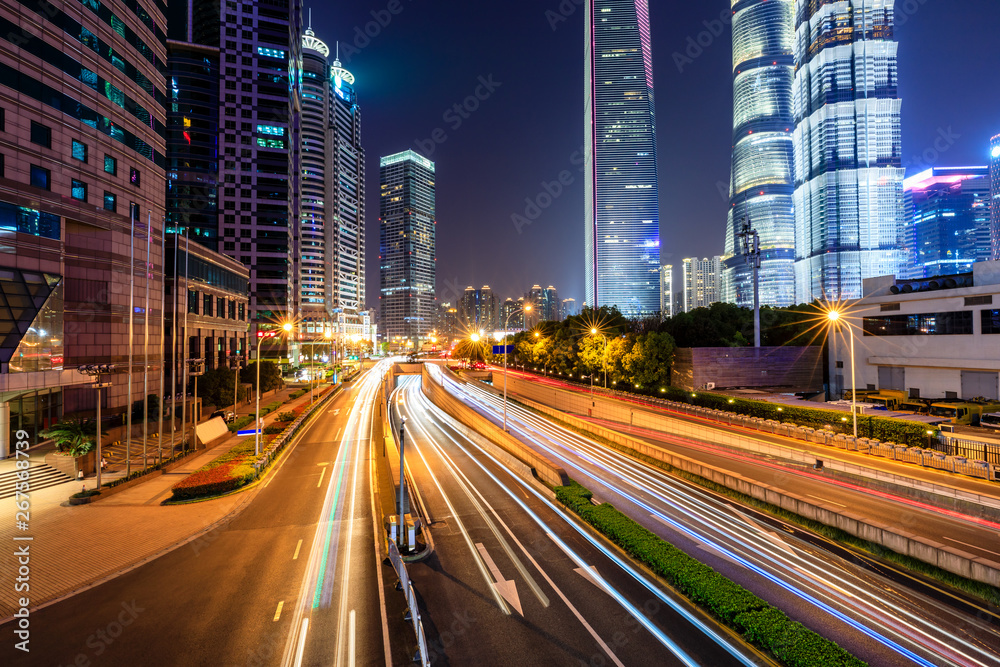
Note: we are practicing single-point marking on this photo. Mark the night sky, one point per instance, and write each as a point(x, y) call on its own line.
point(430, 55)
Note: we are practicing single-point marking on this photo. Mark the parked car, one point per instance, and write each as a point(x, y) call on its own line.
point(228, 416)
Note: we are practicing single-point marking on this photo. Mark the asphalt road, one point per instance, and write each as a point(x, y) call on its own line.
point(514, 581)
point(265, 588)
point(865, 613)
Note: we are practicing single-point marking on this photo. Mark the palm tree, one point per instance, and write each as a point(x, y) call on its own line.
point(76, 437)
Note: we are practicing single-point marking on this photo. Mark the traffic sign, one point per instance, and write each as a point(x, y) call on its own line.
point(503, 349)
point(248, 431)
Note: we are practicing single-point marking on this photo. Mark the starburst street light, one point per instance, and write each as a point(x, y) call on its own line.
point(835, 315)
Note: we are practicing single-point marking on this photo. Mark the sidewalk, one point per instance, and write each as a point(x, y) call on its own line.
point(74, 547)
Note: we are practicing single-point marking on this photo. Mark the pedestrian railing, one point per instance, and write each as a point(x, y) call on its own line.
point(412, 609)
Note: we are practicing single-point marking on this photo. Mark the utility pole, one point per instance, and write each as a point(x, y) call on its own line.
point(750, 242)
point(402, 481)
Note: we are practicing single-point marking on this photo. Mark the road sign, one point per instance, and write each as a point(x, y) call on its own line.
point(503, 349)
point(248, 431)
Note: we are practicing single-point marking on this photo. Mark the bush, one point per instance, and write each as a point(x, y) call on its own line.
point(273, 429)
point(285, 416)
point(86, 494)
point(296, 394)
point(757, 621)
point(240, 423)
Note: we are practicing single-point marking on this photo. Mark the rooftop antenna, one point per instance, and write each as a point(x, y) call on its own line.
point(337, 58)
point(310, 18)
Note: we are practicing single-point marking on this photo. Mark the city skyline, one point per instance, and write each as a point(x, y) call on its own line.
point(692, 59)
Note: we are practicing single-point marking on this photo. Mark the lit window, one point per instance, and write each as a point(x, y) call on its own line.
point(110, 202)
point(78, 190)
point(79, 150)
point(110, 165)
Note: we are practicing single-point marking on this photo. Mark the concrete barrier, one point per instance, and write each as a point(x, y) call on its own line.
point(544, 469)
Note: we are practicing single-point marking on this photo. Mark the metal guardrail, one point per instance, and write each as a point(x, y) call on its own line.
point(411, 604)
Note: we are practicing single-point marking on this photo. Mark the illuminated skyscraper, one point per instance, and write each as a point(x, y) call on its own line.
point(995, 194)
point(701, 282)
point(667, 290)
point(848, 173)
point(621, 209)
point(407, 249)
point(761, 185)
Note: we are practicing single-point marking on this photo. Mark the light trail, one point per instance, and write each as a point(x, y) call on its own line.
point(859, 599)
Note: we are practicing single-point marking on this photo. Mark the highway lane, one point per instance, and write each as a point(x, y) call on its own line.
point(230, 596)
point(861, 611)
point(506, 583)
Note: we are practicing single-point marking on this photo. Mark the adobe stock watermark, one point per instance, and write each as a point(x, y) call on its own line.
point(561, 13)
point(364, 34)
point(944, 141)
point(549, 192)
point(459, 112)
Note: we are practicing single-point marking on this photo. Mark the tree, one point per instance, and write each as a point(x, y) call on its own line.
point(153, 403)
point(648, 362)
point(216, 385)
point(270, 376)
point(76, 437)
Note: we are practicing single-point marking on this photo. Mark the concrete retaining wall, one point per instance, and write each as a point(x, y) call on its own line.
point(543, 468)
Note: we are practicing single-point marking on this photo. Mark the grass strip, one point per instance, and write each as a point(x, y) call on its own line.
point(760, 624)
point(978, 589)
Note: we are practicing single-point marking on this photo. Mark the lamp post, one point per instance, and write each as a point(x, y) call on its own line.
point(834, 316)
point(261, 335)
point(595, 332)
point(526, 309)
point(95, 371)
point(329, 338)
point(402, 484)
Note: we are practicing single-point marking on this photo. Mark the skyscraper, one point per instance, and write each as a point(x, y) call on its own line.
point(667, 290)
point(622, 233)
point(478, 309)
point(761, 183)
point(550, 304)
point(848, 173)
point(328, 258)
point(407, 250)
point(995, 195)
point(947, 225)
point(701, 282)
point(237, 190)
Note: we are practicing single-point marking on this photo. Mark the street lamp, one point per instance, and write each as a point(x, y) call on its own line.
point(95, 371)
point(834, 317)
point(595, 332)
point(261, 335)
point(526, 309)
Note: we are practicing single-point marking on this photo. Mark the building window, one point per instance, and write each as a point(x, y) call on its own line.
point(78, 189)
point(925, 324)
point(41, 178)
point(79, 150)
point(243, 312)
point(133, 176)
point(110, 165)
point(110, 202)
point(207, 305)
point(41, 135)
point(232, 310)
point(220, 307)
point(888, 307)
point(991, 321)
point(192, 302)
point(3, 120)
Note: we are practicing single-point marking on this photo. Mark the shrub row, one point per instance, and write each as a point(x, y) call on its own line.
point(296, 394)
point(758, 622)
point(239, 423)
point(882, 428)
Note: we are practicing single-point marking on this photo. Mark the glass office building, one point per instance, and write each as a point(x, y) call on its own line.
point(622, 227)
point(947, 225)
point(995, 195)
point(761, 183)
point(848, 168)
point(407, 249)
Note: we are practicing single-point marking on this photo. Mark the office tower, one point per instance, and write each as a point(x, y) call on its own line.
point(701, 282)
point(666, 291)
point(995, 195)
point(240, 195)
point(550, 304)
point(511, 315)
point(761, 186)
point(406, 248)
point(82, 143)
point(947, 223)
point(534, 297)
point(848, 174)
point(622, 232)
point(328, 257)
point(568, 308)
point(478, 309)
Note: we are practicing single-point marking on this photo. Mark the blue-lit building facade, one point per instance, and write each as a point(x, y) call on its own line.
point(848, 167)
point(947, 224)
point(407, 250)
point(622, 231)
point(995, 195)
point(761, 185)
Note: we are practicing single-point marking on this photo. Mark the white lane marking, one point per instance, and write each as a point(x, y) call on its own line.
point(302, 643)
point(337, 437)
point(589, 573)
point(277, 612)
point(321, 473)
point(298, 546)
point(351, 642)
point(506, 587)
point(825, 500)
point(970, 545)
point(335, 411)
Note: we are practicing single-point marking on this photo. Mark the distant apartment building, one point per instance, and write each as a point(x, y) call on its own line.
point(407, 249)
point(667, 290)
point(701, 282)
point(568, 308)
point(82, 181)
point(478, 309)
point(551, 305)
point(511, 315)
point(947, 223)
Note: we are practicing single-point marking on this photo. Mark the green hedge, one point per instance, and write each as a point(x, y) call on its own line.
point(240, 423)
point(759, 623)
point(904, 432)
point(296, 394)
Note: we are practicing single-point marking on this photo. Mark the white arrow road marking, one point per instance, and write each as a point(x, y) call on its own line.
point(335, 411)
point(589, 573)
point(773, 538)
point(505, 587)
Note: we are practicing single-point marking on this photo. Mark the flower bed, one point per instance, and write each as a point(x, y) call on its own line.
point(226, 473)
point(758, 622)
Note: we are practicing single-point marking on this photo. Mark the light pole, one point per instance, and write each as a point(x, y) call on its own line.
point(261, 335)
point(95, 372)
point(834, 316)
point(526, 309)
point(329, 338)
point(604, 363)
point(402, 484)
